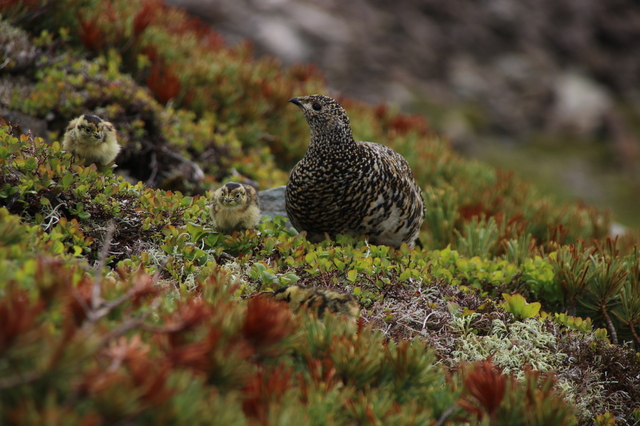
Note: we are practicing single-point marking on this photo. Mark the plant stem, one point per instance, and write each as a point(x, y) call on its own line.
point(607, 319)
point(632, 326)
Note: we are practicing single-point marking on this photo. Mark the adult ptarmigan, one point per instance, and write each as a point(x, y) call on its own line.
point(344, 186)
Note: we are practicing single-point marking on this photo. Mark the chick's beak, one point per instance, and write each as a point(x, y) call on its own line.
point(295, 101)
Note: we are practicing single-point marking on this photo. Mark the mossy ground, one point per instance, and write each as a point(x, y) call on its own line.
point(120, 303)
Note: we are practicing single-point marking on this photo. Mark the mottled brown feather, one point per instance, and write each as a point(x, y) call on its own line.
point(344, 186)
point(318, 300)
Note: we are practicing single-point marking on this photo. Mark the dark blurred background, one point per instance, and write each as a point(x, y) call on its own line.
point(547, 88)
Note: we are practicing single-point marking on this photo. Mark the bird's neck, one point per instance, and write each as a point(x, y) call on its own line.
point(334, 144)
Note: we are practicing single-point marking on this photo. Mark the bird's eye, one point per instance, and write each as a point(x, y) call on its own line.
point(88, 130)
point(316, 106)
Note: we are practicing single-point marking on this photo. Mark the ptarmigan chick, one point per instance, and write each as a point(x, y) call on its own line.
point(343, 186)
point(235, 207)
point(318, 300)
point(91, 138)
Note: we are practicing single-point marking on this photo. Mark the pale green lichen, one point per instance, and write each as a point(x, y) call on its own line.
point(514, 346)
point(511, 346)
point(239, 275)
point(16, 51)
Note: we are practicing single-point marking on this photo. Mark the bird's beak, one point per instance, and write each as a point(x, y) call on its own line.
point(295, 101)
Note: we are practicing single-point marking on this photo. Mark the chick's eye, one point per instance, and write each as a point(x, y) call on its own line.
point(316, 106)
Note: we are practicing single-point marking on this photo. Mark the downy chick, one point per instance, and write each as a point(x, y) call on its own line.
point(91, 138)
point(318, 300)
point(235, 207)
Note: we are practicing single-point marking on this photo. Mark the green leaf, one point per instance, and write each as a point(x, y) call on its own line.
point(57, 247)
point(518, 306)
point(66, 180)
point(339, 264)
point(310, 257)
point(352, 275)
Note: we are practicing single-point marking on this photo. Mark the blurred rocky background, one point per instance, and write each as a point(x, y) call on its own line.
point(550, 89)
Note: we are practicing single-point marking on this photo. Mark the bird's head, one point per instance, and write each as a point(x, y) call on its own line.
point(324, 114)
point(90, 127)
point(232, 194)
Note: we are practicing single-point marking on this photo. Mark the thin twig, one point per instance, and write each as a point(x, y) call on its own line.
point(131, 324)
point(154, 170)
point(227, 256)
point(446, 414)
point(84, 306)
point(97, 282)
point(107, 307)
point(259, 294)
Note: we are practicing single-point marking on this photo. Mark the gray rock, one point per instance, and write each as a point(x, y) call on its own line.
point(272, 203)
point(617, 229)
point(506, 58)
point(26, 123)
point(581, 104)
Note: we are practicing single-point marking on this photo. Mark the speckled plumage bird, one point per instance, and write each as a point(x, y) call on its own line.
point(235, 207)
point(91, 138)
point(318, 300)
point(344, 186)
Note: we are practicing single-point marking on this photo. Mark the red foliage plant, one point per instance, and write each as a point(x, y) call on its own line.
point(381, 111)
point(17, 314)
point(322, 374)
point(558, 234)
point(190, 314)
point(143, 287)
point(192, 335)
point(151, 52)
point(90, 34)
point(140, 372)
point(515, 226)
point(196, 355)
point(263, 388)
point(146, 373)
point(469, 211)
point(303, 73)
point(401, 124)
point(163, 82)
point(26, 4)
point(212, 41)
point(267, 322)
point(485, 388)
point(78, 300)
point(146, 15)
